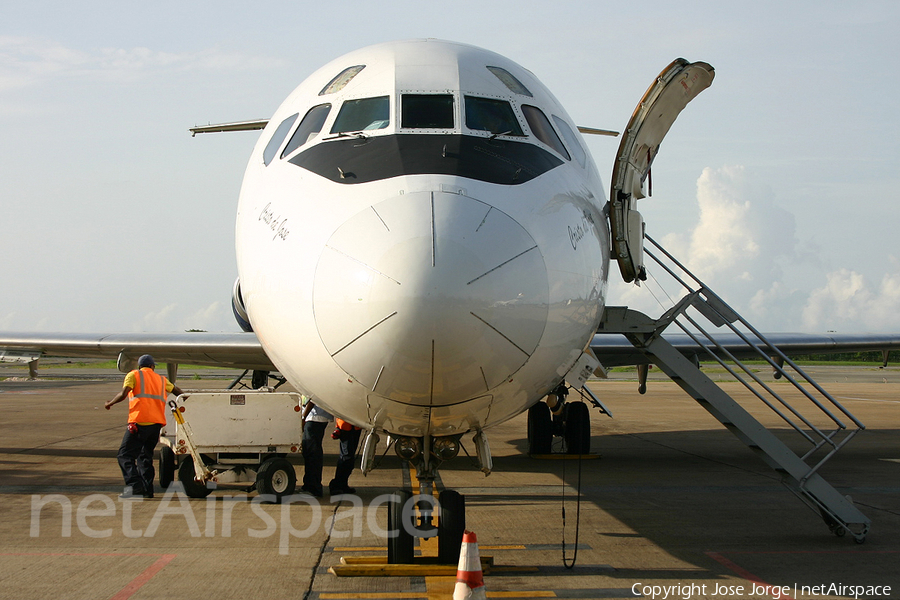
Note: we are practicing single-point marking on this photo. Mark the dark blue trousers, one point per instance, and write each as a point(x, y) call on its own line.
point(346, 459)
point(313, 432)
point(136, 458)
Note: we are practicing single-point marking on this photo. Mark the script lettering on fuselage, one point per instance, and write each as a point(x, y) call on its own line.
point(577, 232)
point(277, 225)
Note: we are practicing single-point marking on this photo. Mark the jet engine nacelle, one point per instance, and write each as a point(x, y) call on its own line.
point(238, 308)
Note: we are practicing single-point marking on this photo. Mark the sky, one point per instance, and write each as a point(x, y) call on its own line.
point(777, 186)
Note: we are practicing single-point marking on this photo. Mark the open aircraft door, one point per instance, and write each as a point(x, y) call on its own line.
point(678, 84)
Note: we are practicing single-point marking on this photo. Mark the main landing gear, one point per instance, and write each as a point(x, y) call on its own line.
point(556, 417)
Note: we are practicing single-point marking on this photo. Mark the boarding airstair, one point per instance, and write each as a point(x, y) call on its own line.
point(818, 425)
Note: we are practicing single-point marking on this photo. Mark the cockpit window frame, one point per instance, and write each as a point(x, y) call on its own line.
point(352, 105)
point(510, 81)
point(404, 111)
point(571, 139)
point(277, 139)
point(542, 129)
point(340, 81)
point(310, 126)
point(502, 126)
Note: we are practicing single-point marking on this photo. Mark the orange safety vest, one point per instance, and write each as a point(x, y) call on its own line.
point(147, 401)
point(344, 425)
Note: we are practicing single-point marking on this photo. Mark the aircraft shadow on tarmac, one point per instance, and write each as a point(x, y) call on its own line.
point(697, 493)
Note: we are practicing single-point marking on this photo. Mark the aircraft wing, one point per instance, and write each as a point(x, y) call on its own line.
point(243, 350)
point(235, 350)
point(614, 350)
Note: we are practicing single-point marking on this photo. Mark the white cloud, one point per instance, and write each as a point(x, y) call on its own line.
point(7, 321)
point(745, 248)
point(26, 61)
point(176, 317)
point(215, 317)
point(742, 234)
point(847, 302)
point(164, 319)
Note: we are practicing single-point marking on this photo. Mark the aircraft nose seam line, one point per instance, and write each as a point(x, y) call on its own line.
point(500, 333)
point(344, 347)
point(377, 378)
point(477, 229)
point(503, 264)
point(433, 233)
point(371, 268)
point(380, 219)
point(431, 394)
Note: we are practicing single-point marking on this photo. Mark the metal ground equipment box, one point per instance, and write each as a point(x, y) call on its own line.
point(220, 437)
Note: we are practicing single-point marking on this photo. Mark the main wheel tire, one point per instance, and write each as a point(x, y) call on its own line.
point(401, 546)
point(540, 429)
point(276, 476)
point(194, 489)
point(578, 428)
point(167, 466)
point(451, 526)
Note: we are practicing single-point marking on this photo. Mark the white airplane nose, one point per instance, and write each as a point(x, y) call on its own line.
point(431, 298)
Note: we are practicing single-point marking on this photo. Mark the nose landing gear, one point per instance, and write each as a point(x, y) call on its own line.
point(425, 514)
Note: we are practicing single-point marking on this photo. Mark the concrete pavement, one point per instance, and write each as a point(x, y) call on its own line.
point(675, 503)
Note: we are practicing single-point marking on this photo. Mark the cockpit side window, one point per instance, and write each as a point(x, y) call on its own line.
point(341, 80)
point(310, 125)
point(280, 133)
point(362, 115)
point(426, 111)
point(510, 81)
point(542, 129)
point(495, 116)
point(571, 140)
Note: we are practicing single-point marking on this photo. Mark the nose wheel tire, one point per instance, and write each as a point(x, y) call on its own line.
point(451, 526)
point(400, 540)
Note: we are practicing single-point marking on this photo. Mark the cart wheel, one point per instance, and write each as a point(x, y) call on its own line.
point(276, 476)
point(167, 465)
point(194, 489)
point(401, 547)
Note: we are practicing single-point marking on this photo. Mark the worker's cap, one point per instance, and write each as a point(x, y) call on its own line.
point(146, 361)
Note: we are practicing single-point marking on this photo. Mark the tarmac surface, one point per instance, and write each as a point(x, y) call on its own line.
point(674, 506)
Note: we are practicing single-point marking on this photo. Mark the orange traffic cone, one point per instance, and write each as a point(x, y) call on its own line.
point(469, 579)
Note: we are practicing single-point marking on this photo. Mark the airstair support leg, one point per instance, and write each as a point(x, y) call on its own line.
point(645, 334)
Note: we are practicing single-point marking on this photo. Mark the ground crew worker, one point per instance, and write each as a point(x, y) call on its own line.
point(315, 421)
point(146, 392)
point(348, 435)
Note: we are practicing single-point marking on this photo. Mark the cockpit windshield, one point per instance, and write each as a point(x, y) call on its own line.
point(426, 111)
point(310, 125)
point(362, 115)
point(495, 116)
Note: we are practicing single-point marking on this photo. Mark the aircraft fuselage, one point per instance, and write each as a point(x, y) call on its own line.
point(421, 238)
